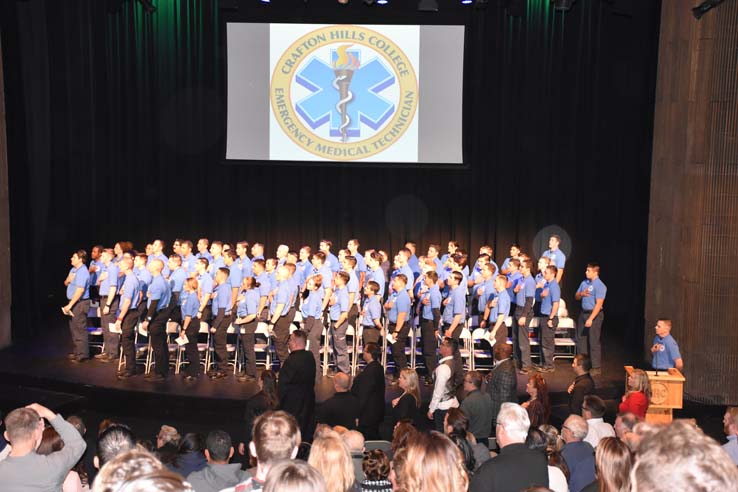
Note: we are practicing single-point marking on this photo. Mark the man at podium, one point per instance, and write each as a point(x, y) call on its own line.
point(665, 349)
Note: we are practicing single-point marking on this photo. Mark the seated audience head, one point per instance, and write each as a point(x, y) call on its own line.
point(581, 364)
point(593, 407)
point(679, 456)
point(24, 428)
point(376, 465)
point(51, 442)
point(575, 429)
point(638, 381)
point(341, 382)
point(372, 352)
point(401, 434)
point(218, 447)
point(76, 421)
point(433, 463)
point(354, 440)
point(512, 424)
point(456, 425)
point(298, 340)
point(625, 423)
point(537, 440)
point(294, 476)
point(730, 421)
point(332, 458)
point(502, 351)
point(114, 440)
point(554, 443)
point(276, 436)
point(613, 462)
point(138, 470)
point(167, 435)
point(473, 381)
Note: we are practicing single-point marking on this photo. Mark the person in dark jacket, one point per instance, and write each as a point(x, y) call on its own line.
point(297, 383)
point(342, 408)
point(502, 384)
point(369, 388)
point(190, 457)
point(266, 399)
point(582, 385)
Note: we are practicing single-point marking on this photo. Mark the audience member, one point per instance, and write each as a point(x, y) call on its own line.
point(25, 469)
point(138, 470)
point(431, 463)
point(167, 444)
point(76, 421)
point(190, 457)
point(613, 462)
point(502, 383)
point(266, 399)
point(112, 441)
point(730, 426)
point(355, 442)
point(297, 383)
point(332, 458)
point(538, 406)
point(554, 444)
point(294, 476)
point(444, 396)
point(593, 411)
point(276, 437)
point(369, 388)
point(456, 427)
point(681, 457)
point(477, 406)
point(639, 392)
point(219, 473)
point(77, 479)
point(538, 441)
point(578, 454)
point(401, 434)
point(343, 407)
point(624, 426)
point(375, 467)
point(582, 385)
point(407, 404)
point(516, 467)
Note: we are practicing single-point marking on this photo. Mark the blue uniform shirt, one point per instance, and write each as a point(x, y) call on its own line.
point(557, 257)
point(488, 294)
point(353, 287)
point(400, 304)
point(188, 264)
point(597, 290)
point(527, 290)
point(235, 276)
point(159, 290)
point(244, 266)
point(264, 284)
point(130, 290)
point(205, 255)
point(539, 279)
point(667, 354)
point(414, 265)
point(144, 279)
point(332, 262)
point(215, 265)
point(164, 260)
point(377, 276)
point(93, 275)
point(283, 295)
point(327, 274)
point(502, 307)
point(554, 295)
point(223, 297)
point(313, 305)
point(360, 263)
point(434, 295)
point(372, 311)
point(206, 285)
point(506, 263)
point(110, 280)
point(304, 268)
point(81, 280)
point(341, 305)
point(249, 304)
point(515, 278)
point(190, 304)
point(456, 305)
point(177, 279)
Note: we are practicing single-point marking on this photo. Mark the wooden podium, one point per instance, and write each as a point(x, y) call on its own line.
point(667, 390)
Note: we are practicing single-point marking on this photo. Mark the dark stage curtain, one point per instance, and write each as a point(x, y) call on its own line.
point(116, 130)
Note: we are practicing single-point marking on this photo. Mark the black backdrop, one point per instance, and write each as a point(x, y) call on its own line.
point(116, 131)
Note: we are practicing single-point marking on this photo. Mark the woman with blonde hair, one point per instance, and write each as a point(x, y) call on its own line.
point(635, 400)
point(406, 405)
point(332, 458)
point(432, 463)
point(613, 462)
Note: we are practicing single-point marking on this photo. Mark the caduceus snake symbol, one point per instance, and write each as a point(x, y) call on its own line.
point(343, 68)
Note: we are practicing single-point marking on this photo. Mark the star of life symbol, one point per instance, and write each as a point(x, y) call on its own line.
point(345, 93)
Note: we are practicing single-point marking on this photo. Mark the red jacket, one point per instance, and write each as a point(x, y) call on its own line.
point(636, 402)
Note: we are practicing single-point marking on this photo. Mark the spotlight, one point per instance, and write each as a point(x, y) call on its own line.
point(382, 2)
point(563, 5)
point(428, 5)
point(704, 7)
point(343, 2)
point(264, 1)
point(466, 2)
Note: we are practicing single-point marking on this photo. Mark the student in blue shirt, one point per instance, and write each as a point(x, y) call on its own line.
point(222, 305)
point(177, 277)
point(665, 349)
point(549, 320)
point(271, 272)
point(78, 294)
point(514, 253)
point(525, 296)
point(320, 267)
point(188, 259)
point(281, 254)
point(349, 266)
point(216, 261)
point(338, 312)
point(312, 314)
point(430, 318)
point(294, 287)
point(490, 252)
point(399, 318)
point(452, 248)
point(402, 267)
point(257, 252)
point(353, 246)
point(144, 279)
point(543, 262)
point(202, 249)
point(155, 322)
point(278, 310)
point(205, 290)
point(108, 280)
point(234, 278)
point(243, 263)
point(475, 280)
point(433, 251)
point(499, 310)
point(375, 272)
point(592, 293)
point(248, 321)
point(94, 270)
point(557, 257)
point(486, 291)
point(189, 304)
point(371, 314)
point(158, 254)
point(304, 267)
point(128, 317)
point(514, 277)
point(454, 311)
point(258, 266)
point(177, 247)
point(412, 261)
point(330, 258)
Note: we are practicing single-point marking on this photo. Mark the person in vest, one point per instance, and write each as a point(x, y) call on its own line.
point(444, 390)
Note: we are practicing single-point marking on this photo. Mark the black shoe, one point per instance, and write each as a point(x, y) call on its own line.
point(429, 381)
point(218, 375)
point(245, 378)
point(126, 375)
point(105, 358)
point(79, 360)
point(156, 378)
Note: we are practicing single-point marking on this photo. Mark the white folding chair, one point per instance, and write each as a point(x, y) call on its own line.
point(482, 358)
point(465, 348)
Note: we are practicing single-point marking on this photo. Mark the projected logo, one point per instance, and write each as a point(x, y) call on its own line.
point(344, 92)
